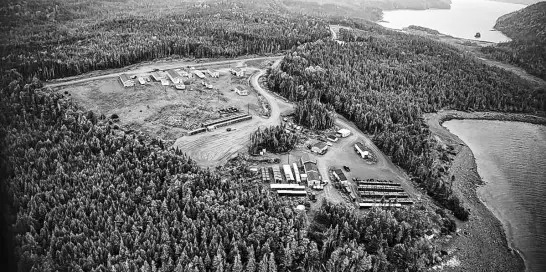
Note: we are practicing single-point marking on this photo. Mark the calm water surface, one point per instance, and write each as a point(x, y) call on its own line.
point(463, 20)
point(511, 159)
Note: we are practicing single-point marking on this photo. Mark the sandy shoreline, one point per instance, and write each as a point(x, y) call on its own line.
point(481, 244)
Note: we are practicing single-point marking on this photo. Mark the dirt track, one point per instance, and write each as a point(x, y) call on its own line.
point(216, 147)
point(146, 68)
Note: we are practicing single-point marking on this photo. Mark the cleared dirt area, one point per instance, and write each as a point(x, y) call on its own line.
point(164, 111)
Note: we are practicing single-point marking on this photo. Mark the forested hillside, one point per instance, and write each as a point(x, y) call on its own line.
point(53, 38)
point(384, 81)
point(87, 197)
point(527, 29)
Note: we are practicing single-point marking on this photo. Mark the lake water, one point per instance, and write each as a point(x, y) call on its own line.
point(463, 20)
point(511, 159)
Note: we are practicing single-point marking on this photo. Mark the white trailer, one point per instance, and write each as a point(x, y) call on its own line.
point(296, 172)
point(288, 173)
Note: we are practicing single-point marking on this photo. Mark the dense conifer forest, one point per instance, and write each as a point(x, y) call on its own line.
point(87, 197)
point(527, 29)
point(384, 81)
point(314, 115)
point(276, 139)
point(54, 39)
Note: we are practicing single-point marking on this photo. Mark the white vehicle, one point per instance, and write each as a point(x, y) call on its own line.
point(329, 144)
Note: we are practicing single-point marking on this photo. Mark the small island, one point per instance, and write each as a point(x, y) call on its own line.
point(478, 35)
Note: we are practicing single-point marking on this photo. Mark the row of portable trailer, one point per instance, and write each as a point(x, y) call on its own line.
point(382, 193)
point(289, 189)
point(221, 123)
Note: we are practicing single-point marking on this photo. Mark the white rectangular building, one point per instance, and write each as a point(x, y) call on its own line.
point(344, 132)
point(174, 76)
point(288, 173)
point(199, 74)
point(213, 73)
point(125, 81)
point(296, 172)
point(361, 150)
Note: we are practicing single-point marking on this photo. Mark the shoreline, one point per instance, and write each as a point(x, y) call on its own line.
point(484, 230)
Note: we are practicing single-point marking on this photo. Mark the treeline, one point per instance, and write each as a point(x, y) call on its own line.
point(55, 39)
point(274, 139)
point(527, 49)
point(87, 197)
point(385, 81)
point(313, 114)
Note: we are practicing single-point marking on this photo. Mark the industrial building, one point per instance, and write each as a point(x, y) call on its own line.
point(361, 150)
point(319, 148)
point(125, 81)
point(313, 179)
point(307, 158)
point(174, 76)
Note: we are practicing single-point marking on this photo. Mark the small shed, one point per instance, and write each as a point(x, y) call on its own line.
point(125, 81)
point(344, 132)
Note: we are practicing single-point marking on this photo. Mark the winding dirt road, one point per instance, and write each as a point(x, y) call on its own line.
point(216, 147)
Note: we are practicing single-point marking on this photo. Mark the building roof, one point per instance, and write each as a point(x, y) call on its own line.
point(340, 175)
point(331, 137)
point(360, 145)
point(310, 166)
point(239, 88)
point(173, 73)
point(321, 145)
point(308, 158)
point(343, 130)
point(124, 77)
point(313, 176)
point(212, 70)
point(236, 69)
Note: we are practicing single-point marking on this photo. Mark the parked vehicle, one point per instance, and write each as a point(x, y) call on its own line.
point(347, 169)
point(329, 144)
point(228, 129)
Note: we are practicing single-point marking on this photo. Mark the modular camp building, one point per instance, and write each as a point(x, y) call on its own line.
point(296, 173)
point(199, 74)
point(277, 177)
point(286, 186)
point(165, 82)
point(125, 81)
point(340, 175)
point(379, 204)
point(213, 73)
point(292, 193)
point(288, 173)
point(320, 148)
point(344, 132)
point(361, 150)
point(332, 138)
point(266, 177)
point(174, 76)
point(240, 91)
point(237, 72)
point(141, 80)
point(157, 76)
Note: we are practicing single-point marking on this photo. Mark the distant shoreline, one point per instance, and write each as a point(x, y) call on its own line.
point(484, 228)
